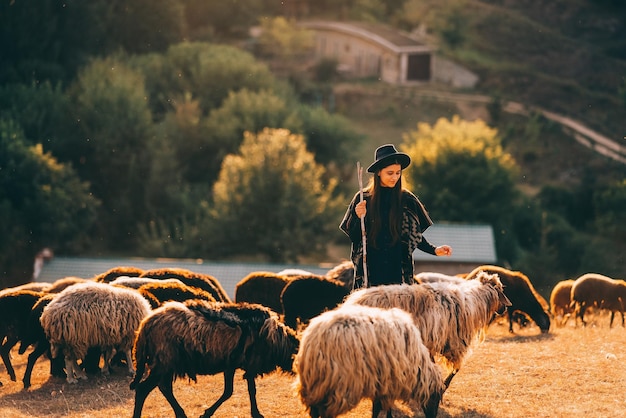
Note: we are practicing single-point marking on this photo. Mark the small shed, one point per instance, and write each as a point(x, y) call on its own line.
point(365, 50)
point(472, 246)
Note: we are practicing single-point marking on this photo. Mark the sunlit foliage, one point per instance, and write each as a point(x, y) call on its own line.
point(205, 72)
point(42, 203)
point(462, 174)
point(270, 199)
point(282, 38)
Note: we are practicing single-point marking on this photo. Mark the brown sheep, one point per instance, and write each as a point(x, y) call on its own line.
point(33, 286)
point(521, 293)
point(61, 284)
point(262, 287)
point(560, 300)
point(191, 278)
point(159, 292)
point(598, 291)
point(202, 338)
point(343, 272)
point(116, 272)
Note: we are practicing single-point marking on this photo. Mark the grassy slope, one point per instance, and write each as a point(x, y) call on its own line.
point(560, 55)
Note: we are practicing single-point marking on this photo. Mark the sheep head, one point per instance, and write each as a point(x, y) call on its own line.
point(493, 280)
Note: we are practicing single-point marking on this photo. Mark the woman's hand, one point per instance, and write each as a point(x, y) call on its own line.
point(361, 209)
point(443, 250)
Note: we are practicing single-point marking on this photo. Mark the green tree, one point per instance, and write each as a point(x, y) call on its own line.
point(40, 109)
point(50, 40)
point(609, 204)
point(201, 143)
point(330, 137)
point(283, 39)
point(460, 170)
point(270, 200)
point(139, 26)
point(199, 71)
point(110, 145)
point(42, 204)
point(228, 17)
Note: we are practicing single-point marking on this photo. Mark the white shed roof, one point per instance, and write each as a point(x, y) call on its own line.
point(470, 243)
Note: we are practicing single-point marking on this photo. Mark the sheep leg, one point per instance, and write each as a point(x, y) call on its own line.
point(108, 353)
point(314, 412)
point(254, 408)
point(448, 380)
point(229, 377)
point(73, 370)
point(32, 358)
point(142, 390)
point(581, 314)
point(377, 406)
point(510, 314)
point(5, 352)
point(129, 361)
point(432, 406)
point(166, 388)
point(612, 317)
point(91, 362)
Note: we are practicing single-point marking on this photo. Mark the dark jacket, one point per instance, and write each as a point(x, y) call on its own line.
point(415, 221)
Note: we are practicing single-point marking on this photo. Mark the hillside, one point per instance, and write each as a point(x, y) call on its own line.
point(545, 154)
point(565, 56)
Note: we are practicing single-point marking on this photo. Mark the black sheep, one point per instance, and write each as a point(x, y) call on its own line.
point(306, 297)
point(15, 308)
point(521, 293)
point(262, 287)
point(201, 338)
point(116, 272)
point(34, 335)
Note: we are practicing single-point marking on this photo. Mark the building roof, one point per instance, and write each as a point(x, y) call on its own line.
point(228, 274)
point(390, 38)
point(470, 243)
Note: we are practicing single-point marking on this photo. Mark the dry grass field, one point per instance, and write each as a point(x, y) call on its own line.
point(570, 372)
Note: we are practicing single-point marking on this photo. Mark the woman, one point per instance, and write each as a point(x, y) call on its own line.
point(394, 222)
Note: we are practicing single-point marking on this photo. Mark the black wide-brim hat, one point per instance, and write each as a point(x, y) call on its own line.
point(386, 155)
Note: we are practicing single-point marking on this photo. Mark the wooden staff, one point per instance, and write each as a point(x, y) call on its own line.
point(363, 235)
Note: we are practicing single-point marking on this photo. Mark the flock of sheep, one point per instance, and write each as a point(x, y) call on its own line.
point(389, 343)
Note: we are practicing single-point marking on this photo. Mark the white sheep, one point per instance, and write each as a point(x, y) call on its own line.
point(433, 277)
point(358, 352)
point(450, 315)
point(93, 314)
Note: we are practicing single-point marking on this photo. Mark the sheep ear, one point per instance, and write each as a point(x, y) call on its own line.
point(503, 299)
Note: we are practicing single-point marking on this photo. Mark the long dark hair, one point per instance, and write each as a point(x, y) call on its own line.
point(373, 209)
